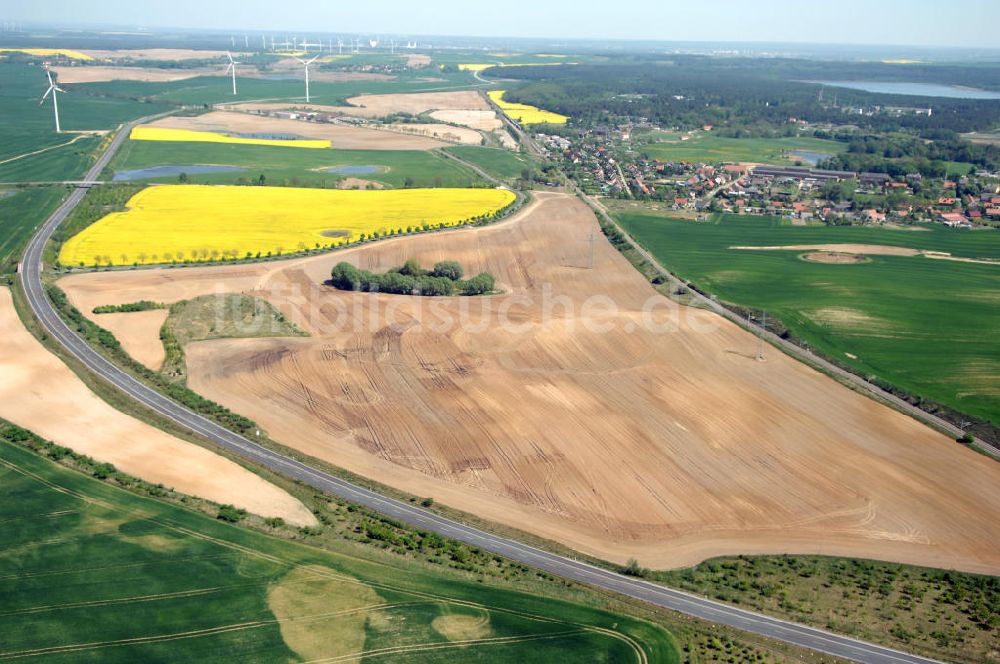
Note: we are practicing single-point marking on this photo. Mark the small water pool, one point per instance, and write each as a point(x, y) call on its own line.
point(354, 170)
point(809, 157)
point(163, 171)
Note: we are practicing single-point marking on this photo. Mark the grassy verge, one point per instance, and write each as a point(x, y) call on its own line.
point(940, 614)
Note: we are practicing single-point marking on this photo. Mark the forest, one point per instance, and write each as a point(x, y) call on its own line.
point(742, 98)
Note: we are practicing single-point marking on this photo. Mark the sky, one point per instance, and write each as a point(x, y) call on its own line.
point(964, 23)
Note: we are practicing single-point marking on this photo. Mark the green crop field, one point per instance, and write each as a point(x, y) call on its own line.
point(21, 210)
point(26, 127)
point(284, 86)
point(504, 164)
point(93, 573)
point(704, 147)
point(927, 326)
point(281, 165)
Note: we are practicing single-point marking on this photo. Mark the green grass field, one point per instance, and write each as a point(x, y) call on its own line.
point(26, 127)
point(708, 148)
point(281, 165)
point(504, 164)
point(927, 326)
point(20, 212)
point(94, 573)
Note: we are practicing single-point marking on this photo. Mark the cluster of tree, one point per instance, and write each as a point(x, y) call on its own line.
point(738, 94)
point(130, 307)
point(411, 279)
point(898, 154)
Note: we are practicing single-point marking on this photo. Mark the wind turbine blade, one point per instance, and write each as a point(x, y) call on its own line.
point(47, 93)
point(229, 55)
point(58, 89)
point(49, 74)
point(312, 60)
point(301, 60)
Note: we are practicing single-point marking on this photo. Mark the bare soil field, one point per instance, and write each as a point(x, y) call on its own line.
point(89, 74)
point(139, 333)
point(417, 60)
point(342, 136)
point(473, 119)
point(158, 54)
point(581, 406)
point(465, 107)
point(358, 183)
point(42, 394)
point(441, 132)
point(834, 257)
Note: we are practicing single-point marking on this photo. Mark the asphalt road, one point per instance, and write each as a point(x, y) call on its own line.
point(563, 566)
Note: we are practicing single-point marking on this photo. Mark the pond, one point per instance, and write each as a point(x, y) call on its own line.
point(354, 170)
point(162, 171)
point(914, 89)
point(808, 156)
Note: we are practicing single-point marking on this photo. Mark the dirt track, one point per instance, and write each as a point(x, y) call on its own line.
point(343, 137)
point(40, 393)
point(669, 446)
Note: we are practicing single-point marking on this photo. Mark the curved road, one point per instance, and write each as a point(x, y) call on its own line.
point(563, 566)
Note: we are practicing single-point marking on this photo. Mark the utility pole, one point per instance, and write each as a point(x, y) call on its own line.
point(760, 339)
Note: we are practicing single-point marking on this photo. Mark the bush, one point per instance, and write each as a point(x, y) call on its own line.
point(231, 514)
point(480, 284)
point(345, 276)
point(427, 502)
point(449, 270)
point(412, 268)
point(633, 568)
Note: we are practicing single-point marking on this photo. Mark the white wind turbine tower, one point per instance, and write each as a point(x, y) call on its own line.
point(306, 63)
point(232, 69)
point(53, 90)
point(340, 46)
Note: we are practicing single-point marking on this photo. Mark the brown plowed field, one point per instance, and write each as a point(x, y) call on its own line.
point(576, 420)
point(40, 393)
point(342, 137)
point(464, 107)
point(94, 74)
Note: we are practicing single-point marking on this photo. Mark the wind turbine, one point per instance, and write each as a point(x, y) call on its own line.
point(306, 63)
point(232, 69)
point(305, 45)
point(340, 46)
point(53, 90)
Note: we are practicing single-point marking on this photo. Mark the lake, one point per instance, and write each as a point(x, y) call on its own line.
point(162, 171)
point(913, 89)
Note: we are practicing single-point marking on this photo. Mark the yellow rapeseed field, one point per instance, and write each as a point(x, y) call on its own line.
point(46, 52)
point(191, 136)
point(525, 114)
point(477, 66)
point(177, 223)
